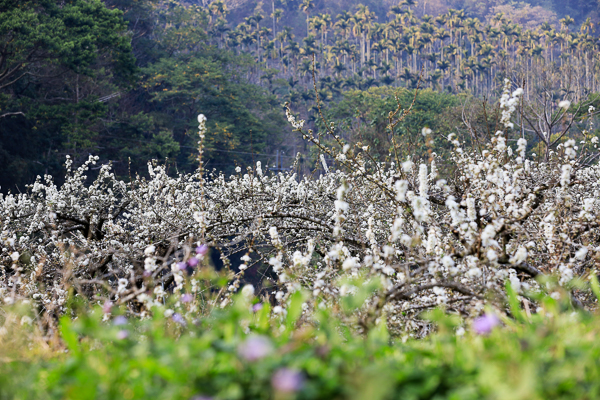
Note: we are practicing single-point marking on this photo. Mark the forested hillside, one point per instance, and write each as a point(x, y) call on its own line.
point(124, 79)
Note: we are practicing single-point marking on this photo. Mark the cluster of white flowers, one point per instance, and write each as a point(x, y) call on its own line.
point(508, 104)
point(499, 218)
point(297, 124)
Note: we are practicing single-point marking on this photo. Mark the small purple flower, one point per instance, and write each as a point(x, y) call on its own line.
point(181, 265)
point(120, 320)
point(287, 380)
point(107, 306)
point(202, 249)
point(255, 347)
point(179, 319)
point(122, 334)
point(186, 298)
point(484, 324)
point(147, 274)
point(257, 307)
point(192, 262)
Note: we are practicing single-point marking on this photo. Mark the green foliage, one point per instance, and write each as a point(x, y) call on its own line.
point(59, 60)
point(364, 117)
point(70, 34)
point(550, 354)
point(241, 116)
point(70, 84)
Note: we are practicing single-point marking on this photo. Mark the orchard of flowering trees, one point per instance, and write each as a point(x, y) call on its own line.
point(367, 240)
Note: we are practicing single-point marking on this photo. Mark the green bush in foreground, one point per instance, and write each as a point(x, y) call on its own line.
point(237, 353)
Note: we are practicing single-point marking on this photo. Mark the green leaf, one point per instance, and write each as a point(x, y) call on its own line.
point(595, 286)
point(294, 309)
point(69, 336)
point(514, 303)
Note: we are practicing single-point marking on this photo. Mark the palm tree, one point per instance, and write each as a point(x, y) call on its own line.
point(441, 34)
point(358, 29)
point(309, 47)
point(293, 49)
point(408, 3)
point(219, 30)
point(284, 36)
point(364, 18)
point(437, 45)
point(306, 6)
point(263, 35)
point(292, 82)
point(276, 15)
point(395, 11)
point(441, 20)
point(270, 49)
point(234, 38)
point(327, 23)
point(565, 22)
point(248, 40)
point(387, 80)
point(317, 25)
point(343, 23)
point(443, 66)
point(344, 27)
point(338, 68)
point(217, 8)
point(305, 67)
point(434, 78)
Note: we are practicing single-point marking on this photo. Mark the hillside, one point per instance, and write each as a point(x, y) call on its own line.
point(528, 12)
point(131, 91)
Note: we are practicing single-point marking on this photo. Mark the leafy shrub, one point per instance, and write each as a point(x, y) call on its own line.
point(238, 353)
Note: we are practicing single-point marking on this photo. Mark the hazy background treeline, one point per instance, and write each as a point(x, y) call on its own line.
point(125, 79)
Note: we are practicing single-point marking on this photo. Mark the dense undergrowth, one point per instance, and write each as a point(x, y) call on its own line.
point(239, 353)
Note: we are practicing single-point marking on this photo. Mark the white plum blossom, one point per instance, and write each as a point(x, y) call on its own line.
point(401, 187)
point(497, 217)
point(581, 253)
point(248, 291)
point(564, 104)
point(519, 256)
point(565, 177)
point(324, 163)
point(508, 104)
point(423, 181)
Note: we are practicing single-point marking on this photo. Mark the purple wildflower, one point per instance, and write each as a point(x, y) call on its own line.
point(181, 265)
point(192, 262)
point(186, 298)
point(120, 320)
point(147, 274)
point(179, 319)
point(202, 249)
point(255, 347)
point(484, 324)
point(257, 307)
point(287, 380)
point(122, 334)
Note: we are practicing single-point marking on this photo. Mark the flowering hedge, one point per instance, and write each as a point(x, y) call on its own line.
point(367, 240)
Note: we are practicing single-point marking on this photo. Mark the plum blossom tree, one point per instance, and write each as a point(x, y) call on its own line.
point(370, 240)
